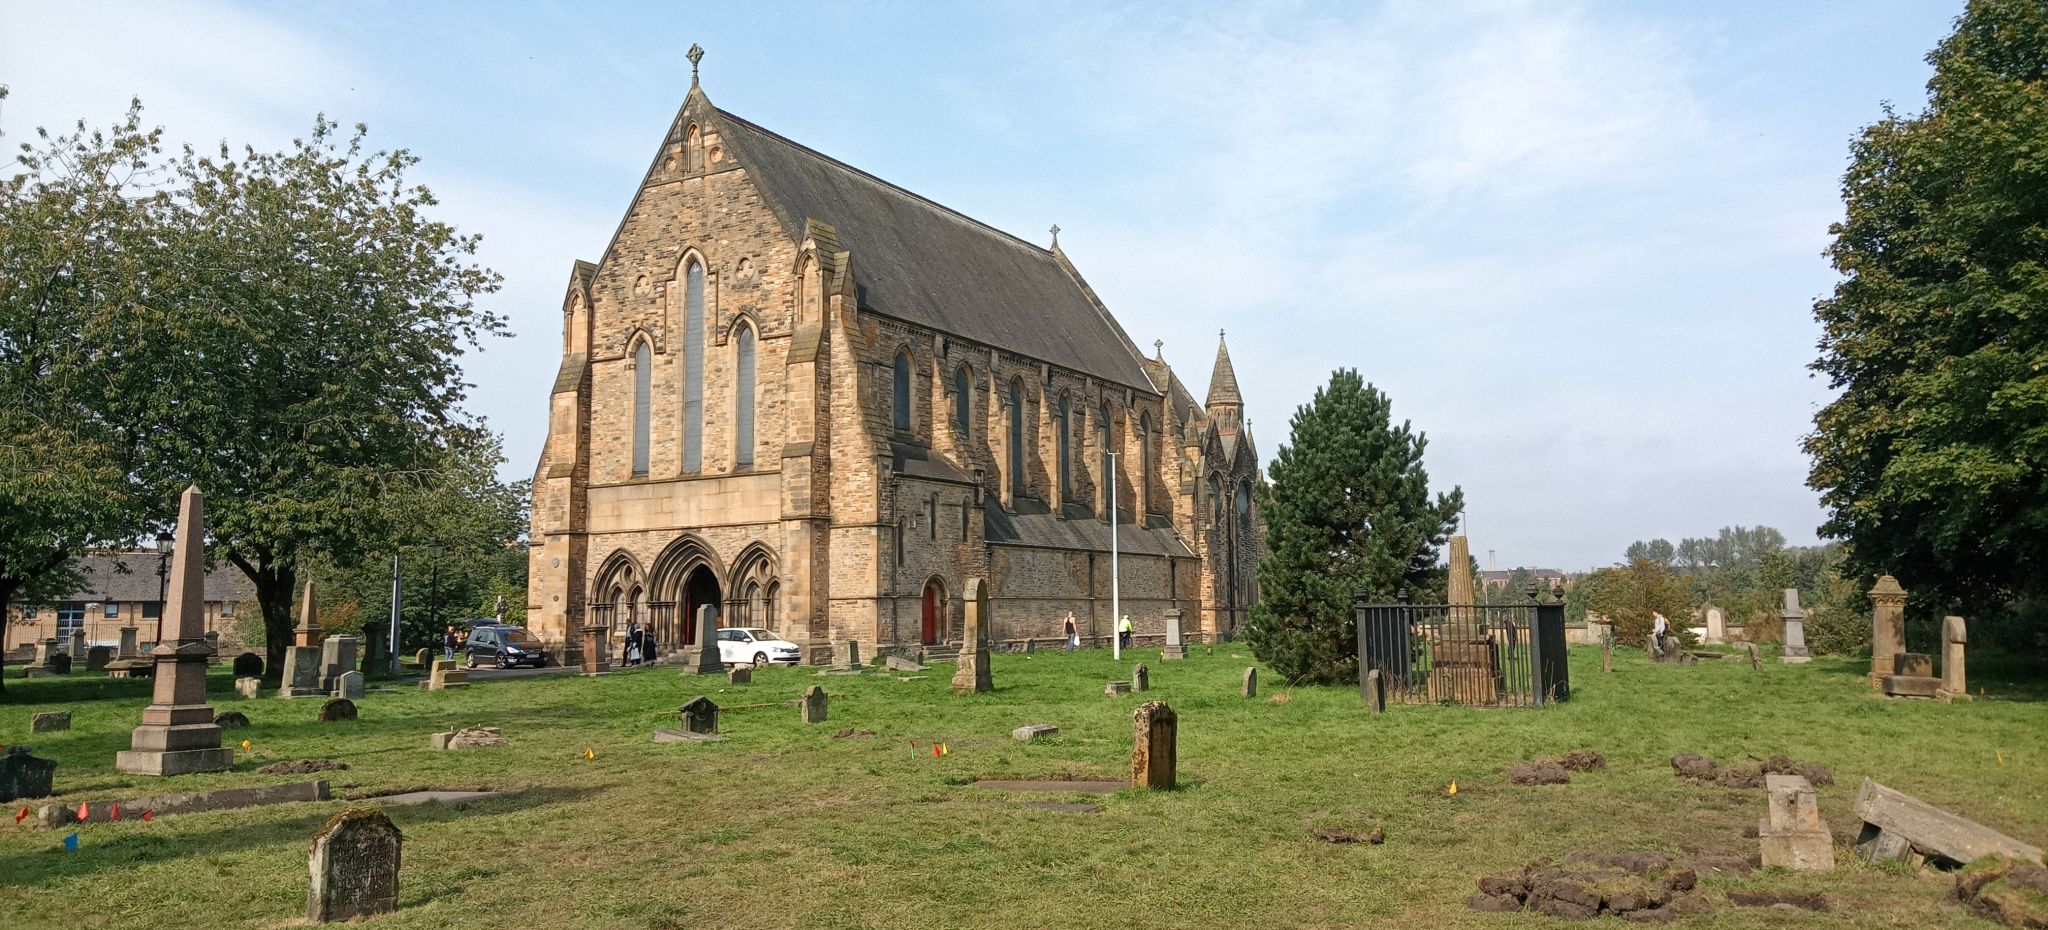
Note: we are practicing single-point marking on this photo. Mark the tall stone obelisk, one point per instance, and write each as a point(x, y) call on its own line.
point(178, 734)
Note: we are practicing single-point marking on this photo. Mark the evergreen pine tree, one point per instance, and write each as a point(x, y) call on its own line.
point(1348, 511)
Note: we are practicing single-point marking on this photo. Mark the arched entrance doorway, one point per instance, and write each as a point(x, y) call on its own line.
point(700, 588)
point(934, 627)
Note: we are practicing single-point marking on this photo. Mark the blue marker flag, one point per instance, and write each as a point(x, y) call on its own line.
point(71, 842)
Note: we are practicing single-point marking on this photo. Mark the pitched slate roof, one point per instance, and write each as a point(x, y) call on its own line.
point(131, 576)
point(1034, 525)
point(924, 263)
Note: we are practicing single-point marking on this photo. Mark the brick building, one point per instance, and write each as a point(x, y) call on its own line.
point(121, 588)
point(822, 402)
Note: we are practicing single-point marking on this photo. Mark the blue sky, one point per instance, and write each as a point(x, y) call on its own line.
point(1576, 242)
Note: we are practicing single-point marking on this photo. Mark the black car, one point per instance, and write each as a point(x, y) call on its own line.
point(505, 647)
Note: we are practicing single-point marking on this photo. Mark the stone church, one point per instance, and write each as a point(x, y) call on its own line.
point(822, 402)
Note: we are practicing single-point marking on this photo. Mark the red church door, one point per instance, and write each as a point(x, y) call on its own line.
point(931, 613)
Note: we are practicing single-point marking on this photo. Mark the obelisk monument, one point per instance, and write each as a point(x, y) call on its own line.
point(178, 734)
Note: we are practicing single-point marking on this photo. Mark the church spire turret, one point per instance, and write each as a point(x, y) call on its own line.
point(1223, 380)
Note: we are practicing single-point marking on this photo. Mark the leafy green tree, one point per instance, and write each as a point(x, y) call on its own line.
point(1656, 550)
point(1348, 511)
point(1631, 593)
point(1933, 461)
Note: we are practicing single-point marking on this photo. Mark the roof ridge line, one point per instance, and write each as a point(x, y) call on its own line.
point(792, 143)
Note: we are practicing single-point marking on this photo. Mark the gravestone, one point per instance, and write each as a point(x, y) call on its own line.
point(423, 658)
point(1466, 669)
point(1154, 763)
point(1793, 652)
point(846, 655)
point(701, 657)
point(1955, 685)
point(350, 685)
point(337, 655)
point(1897, 825)
point(76, 647)
point(1791, 833)
point(177, 734)
point(740, 675)
point(1116, 688)
point(971, 671)
point(248, 665)
point(128, 661)
point(1717, 627)
point(213, 647)
point(354, 867)
point(42, 665)
point(1887, 627)
point(336, 710)
point(814, 705)
point(468, 738)
point(1251, 681)
point(50, 721)
point(700, 716)
point(307, 633)
point(904, 664)
point(1032, 731)
point(1375, 691)
point(25, 776)
point(60, 663)
point(127, 649)
point(447, 673)
point(98, 657)
point(1141, 678)
point(232, 720)
point(597, 659)
point(1176, 646)
point(301, 672)
point(249, 687)
point(1912, 676)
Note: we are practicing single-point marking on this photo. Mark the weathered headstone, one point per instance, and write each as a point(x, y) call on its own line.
point(468, 738)
point(1032, 731)
point(25, 776)
point(447, 673)
point(1912, 676)
point(1375, 691)
point(1955, 685)
point(1897, 825)
point(423, 658)
point(740, 675)
point(1116, 688)
point(75, 648)
point(128, 648)
point(307, 633)
point(700, 715)
point(1791, 833)
point(701, 657)
point(213, 647)
point(128, 661)
point(1793, 651)
point(1251, 681)
point(971, 673)
point(98, 657)
point(846, 655)
point(338, 654)
point(337, 709)
point(44, 663)
point(177, 734)
point(1154, 763)
point(248, 665)
point(1176, 646)
point(597, 659)
point(1887, 627)
point(60, 663)
point(301, 672)
point(249, 687)
point(904, 664)
point(350, 685)
point(354, 867)
point(50, 721)
point(1141, 678)
point(1717, 626)
point(814, 705)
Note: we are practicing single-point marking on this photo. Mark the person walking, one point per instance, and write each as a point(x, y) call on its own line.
point(1073, 631)
point(1123, 630)
point(633, 639)
point(448, 642)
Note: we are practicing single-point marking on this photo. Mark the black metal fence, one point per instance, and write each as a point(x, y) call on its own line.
point(1485, 656)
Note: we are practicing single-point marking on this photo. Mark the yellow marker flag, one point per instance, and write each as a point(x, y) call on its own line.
point(2001, 759)
point(1453, 789)
point(245, 745)
point(589, 754)
point(945, 749)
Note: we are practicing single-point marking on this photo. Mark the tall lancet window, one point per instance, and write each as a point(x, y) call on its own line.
point(1145, 463)
point(1017, 483)
point(693, 368)
point(1108, 471)
point(899, 396)
point(1065, 453)
point(743, 387)
point(963, 403)
point(643, 406)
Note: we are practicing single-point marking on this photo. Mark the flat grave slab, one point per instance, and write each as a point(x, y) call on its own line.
point(435, 797)
point(1051, 785)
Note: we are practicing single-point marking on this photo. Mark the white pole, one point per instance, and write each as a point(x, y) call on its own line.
point(1116, 614)
point(397, 595)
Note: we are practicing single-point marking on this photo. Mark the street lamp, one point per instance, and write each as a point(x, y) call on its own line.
point(163, 577)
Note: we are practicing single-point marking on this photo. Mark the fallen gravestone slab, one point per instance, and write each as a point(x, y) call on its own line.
point(1063, 807)
point(1052, 785)
point(673, 735)
point(303, 767)
point(1117, 688)
point(50, 721)
point(409, 798)
point(1897, 825)
point(354, 866)
point(192, 802)
point(468, 738)
point(1032, 731)
point(232, 720)
point(902, 664)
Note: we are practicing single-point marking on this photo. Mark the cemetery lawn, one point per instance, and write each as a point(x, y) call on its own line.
point(784, 825)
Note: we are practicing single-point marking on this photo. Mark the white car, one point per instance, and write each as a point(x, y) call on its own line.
point(742, 645)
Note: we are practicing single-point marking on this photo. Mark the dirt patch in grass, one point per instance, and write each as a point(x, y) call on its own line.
point(1783, 900)
point(1638, 885)
point(1701, 770)
point(1336, 834)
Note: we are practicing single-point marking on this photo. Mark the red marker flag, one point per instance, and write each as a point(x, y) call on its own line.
point(935, 750)
point(149, 815)
point(115, 814)
point(84, 811)
point(21, 816)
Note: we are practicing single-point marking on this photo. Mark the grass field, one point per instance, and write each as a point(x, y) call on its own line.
point(783, 825)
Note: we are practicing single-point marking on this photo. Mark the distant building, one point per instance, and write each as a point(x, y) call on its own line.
point(1547, 577)
point(118, 589)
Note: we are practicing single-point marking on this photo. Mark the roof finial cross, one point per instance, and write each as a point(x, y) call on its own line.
point(1219, 333)
point(1055, 235)
point(1159, 348)
point(696, 55)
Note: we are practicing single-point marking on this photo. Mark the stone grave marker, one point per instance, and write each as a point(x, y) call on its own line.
point(1792, 833)
point(1251, 681)
point(177, 734)
point(1141, 678)
point(128, 661)
point(700, 716)
point(50, 721)
point(350, 685)
point(25, 776)
point(597, 654)
point(1032, 731)
point(98, 657)
point(1912, 676)
point(846, 655)
point(248, 665)
point(1375, 691)
point(60, 663)
point(1176, 647)
point(337, 709)
point(446, 674)
point(76, 647)
point(423, 658)
point(43, 665)
point(701, 657)
point(213, 647)
point(301, 672)
point(1955, 685)
point(814, 705)
point(971, 671)
point(354, 867)
point(1897, 825)
point(337, 655)
point(740, 675)
point(232, 720)
point(468, 738)
point(1154, 764)
point(1887, 627)
point(1116, 689)
point(1717, 627)
point(249, 687)
point(307, 633)
point(1793, 650)
point(127, 649)
point(905, 664)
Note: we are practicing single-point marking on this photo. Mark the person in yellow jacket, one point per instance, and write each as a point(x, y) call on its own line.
point(1123, 630)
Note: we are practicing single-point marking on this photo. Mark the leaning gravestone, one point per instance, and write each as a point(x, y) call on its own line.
point(814, 705)
point(354, 867)
point(50, 721)
point(740, 675)
point(1154, 762)
point(1251, 681)
point(24, 776)
point(1141, 678)
point(248, 665)
point(971, 669)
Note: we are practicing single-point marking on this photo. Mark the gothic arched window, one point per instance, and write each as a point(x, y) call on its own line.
point(1216, 500)
point(1145, 463)
point(643, 406)
point(1108, 464)
point(899, 397)
point(693, 367)
point(963, 403)
point(771, 609)
point(1061, 446)
point(1017, 482)
point(743, 391)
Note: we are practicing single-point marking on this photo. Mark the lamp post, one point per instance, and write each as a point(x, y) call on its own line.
point(163, 578)
point(1116, 615)
point(434, 585)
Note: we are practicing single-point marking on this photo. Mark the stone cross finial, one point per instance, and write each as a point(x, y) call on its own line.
point(1159, 349)
point(696, 55)
point(1055, 235)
